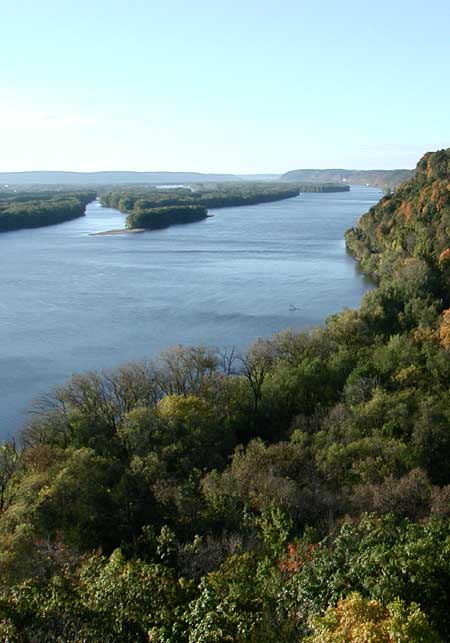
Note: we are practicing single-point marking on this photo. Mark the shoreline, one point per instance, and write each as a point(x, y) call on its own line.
point(110, 233)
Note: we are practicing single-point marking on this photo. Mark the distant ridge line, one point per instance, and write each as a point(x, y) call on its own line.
point(375, 178)
point(107, 177)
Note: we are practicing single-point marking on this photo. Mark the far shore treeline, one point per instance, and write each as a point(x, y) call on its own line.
point(223, 195)
point(33, 210)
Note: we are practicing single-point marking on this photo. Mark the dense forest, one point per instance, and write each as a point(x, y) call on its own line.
point(384, 179)
point(299, 492)
point(33, 210)
point(223, 195)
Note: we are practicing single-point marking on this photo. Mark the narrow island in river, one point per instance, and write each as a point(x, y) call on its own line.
point(155, 218)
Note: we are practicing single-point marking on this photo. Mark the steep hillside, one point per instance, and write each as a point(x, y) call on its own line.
point(410, 226)
point(385, 179)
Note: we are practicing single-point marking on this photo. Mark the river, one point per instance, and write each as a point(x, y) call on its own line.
point(71, 302)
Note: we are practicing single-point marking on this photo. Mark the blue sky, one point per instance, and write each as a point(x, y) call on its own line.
point(249, 86)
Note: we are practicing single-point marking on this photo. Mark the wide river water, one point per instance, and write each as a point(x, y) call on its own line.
point(71, 302)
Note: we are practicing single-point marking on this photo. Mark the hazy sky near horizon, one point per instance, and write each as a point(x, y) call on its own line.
point(251, 86)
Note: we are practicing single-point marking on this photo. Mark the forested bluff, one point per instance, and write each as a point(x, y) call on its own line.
point(299, 492)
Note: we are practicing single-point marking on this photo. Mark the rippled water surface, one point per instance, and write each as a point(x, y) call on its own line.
point(71, 302)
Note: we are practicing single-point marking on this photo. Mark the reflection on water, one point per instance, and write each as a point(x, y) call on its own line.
point(71, 302)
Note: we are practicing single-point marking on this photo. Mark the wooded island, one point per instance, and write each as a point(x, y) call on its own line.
point(33, 210)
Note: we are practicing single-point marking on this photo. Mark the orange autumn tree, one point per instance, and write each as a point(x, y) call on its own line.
point(444, 329)
point(444, 257)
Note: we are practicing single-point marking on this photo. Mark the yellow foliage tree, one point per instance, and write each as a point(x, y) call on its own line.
point(185, 408)
point(359, 620)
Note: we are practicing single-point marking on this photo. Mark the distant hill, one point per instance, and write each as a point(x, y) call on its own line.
point(409, 226)
point(376, 178)
point(259, 177)
point(108, 178)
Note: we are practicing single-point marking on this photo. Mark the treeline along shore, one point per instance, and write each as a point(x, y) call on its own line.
point(154, 208)
point(33, 210)
point(223, 195)
point(295, 493)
